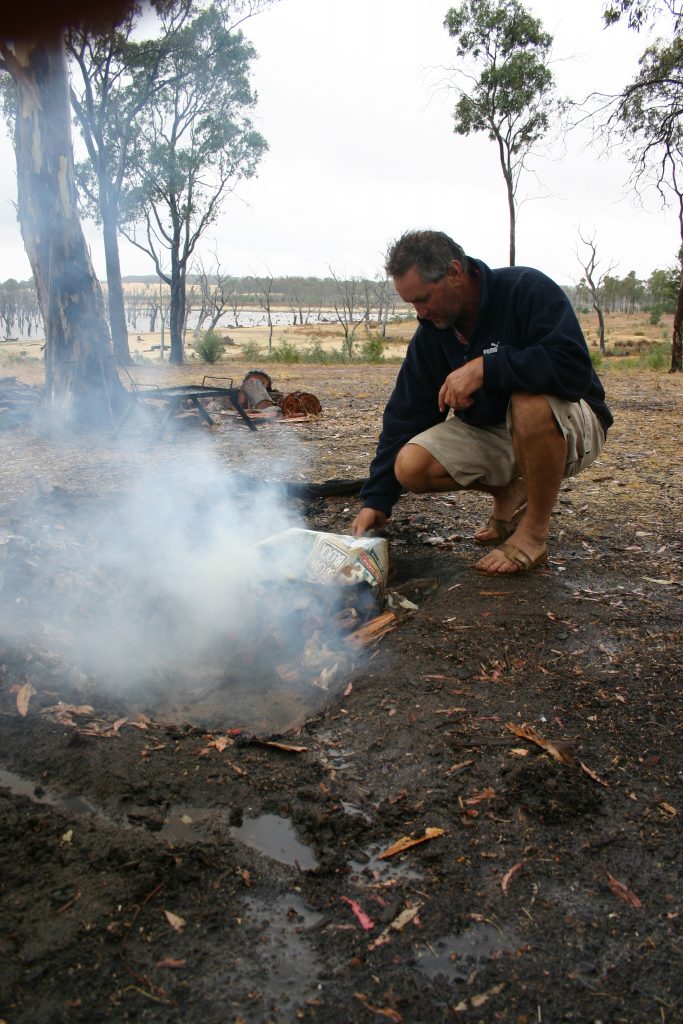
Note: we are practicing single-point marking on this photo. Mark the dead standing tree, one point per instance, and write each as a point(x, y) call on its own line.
point(264, 291)
point(81, 378)
point(594, 282)
point(347, 296)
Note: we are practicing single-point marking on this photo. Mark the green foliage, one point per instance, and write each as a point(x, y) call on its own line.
point(210, 347)
point(657, 358)
point(315, 353)
point(510, 90)
point(372, 350)
point(663, 285)
point(596, 358)
point(285, 352)
point(640, 12)
point(251, 350)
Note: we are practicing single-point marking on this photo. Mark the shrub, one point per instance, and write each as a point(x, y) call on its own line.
point(285, 352)
point(596, 358)
point(655, 315)
point(658, 358)
point(315, 353)
point(210, 347)
point(251, 351)
point(372, 350)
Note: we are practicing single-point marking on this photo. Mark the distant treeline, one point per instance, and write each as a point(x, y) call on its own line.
point(146, 298)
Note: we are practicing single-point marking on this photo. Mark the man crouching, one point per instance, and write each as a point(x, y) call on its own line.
point(503, 350)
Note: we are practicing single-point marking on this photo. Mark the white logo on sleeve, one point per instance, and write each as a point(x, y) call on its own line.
point(492, 349)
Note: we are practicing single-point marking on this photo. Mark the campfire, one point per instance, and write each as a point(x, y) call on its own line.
point(195, 617)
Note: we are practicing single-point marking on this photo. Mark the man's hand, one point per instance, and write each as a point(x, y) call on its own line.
point(461, 384)
point(368, 519)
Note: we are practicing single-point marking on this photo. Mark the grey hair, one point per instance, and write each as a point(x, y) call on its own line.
point(431, 252)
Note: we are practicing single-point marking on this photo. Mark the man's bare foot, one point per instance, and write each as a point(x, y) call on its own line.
point(520, 553)
point(506, 502)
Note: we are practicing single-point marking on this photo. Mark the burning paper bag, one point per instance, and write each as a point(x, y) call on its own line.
point(332, 558)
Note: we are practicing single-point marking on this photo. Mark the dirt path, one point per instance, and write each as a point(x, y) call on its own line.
point(156, 871)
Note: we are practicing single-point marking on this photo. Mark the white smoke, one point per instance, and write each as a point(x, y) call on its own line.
point(158, 588)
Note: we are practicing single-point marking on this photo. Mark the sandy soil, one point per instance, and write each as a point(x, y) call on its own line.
point(155, 870)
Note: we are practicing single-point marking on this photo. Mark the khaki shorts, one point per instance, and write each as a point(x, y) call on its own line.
point(484, 455)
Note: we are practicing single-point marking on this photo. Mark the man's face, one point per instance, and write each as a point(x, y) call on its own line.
point(439, 301)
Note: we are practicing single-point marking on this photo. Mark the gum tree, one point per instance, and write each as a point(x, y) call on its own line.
point(648, 119)
point(113, 78)
point(508, 91)
point(195, 145)
point(82, 384)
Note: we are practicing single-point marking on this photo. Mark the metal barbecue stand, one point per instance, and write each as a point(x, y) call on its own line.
point(175, 396)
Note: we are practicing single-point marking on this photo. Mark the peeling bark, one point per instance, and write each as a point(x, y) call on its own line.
point(82, 383)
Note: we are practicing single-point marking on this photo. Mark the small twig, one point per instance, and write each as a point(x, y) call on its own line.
point(137, 913)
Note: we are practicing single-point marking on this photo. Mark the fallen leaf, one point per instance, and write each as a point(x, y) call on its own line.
point(592, 775)
point(365, 922)
point(405, 917)
point(476, 798)
point(173, 965)
point(508, 876)
point(219, 743)
point(474, 1002)
point(559, 751)
point(290, 748)
point(406, 842)
point(69, 709)
point(623, 892)
point(667, 808)
point(458, 767)
point(662, 583)
point(176, 922)
point(383, 1011)
point(397, 925)
point(24, 694)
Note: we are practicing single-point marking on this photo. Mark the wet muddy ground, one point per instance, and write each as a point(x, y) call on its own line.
point(528, 731)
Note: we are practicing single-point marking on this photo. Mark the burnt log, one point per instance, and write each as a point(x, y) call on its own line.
point(300, 403)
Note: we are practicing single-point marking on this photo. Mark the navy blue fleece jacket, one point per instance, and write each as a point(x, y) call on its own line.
point(530, 340)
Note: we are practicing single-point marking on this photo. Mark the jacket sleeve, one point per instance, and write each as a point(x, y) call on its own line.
point(412, 408)
point(551, 356)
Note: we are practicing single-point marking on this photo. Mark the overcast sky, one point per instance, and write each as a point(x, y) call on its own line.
point(353, 105)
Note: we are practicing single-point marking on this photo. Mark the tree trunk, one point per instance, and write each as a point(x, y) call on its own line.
point(676, 340)
point(601, 327)
point(81, 378)
point(176, 316)
point(117, 309)
point(513, 226)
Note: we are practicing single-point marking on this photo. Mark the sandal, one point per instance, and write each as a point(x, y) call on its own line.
point(520, 558)
point(504, 528)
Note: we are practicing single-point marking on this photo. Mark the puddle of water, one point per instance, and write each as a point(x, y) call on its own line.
point(177, 827)
point(268, 834)
point(275, 837)
point(70, 804)
point(282, 965)
point(455, 956)
point(382, 869)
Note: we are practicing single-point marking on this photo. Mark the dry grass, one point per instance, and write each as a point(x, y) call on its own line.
point(625, 333)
